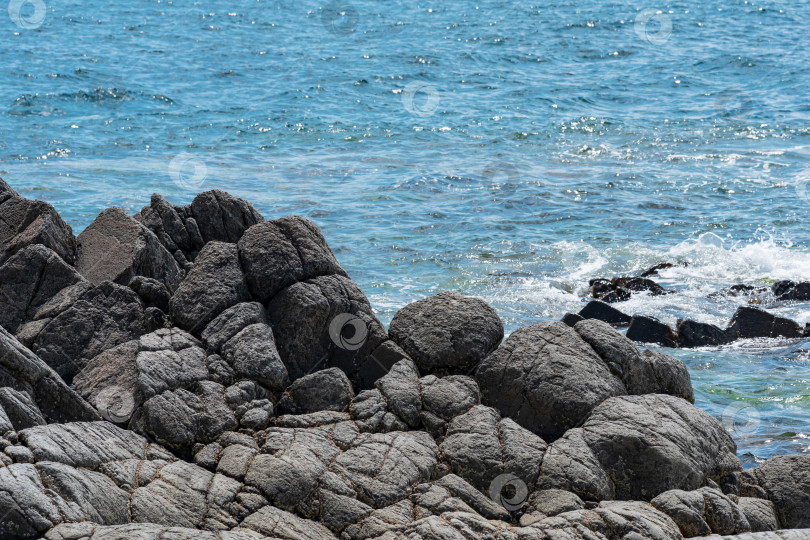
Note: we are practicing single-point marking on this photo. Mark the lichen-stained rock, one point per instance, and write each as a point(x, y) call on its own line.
point(702, 512)
point(327, 322)
point(101, 318)
point(649, 372)
point(22, 371)
point(276, 523)
point(760, 513)
point(447, 333)
point(212, 216)
point(786, 481)
point(326, 390)
point(546, 378)
point(29, 279)
point(215, 283)
point(116, 247)
point(663, 442)
point(480, 447)
point(24, 222)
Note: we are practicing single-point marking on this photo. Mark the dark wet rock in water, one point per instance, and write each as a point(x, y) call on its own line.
point(653, 270)
point(24, 222)
point(696, 334)
point(621, 289)
point(651, 330)
point(447, 333)
point(791, 291)
point(604, 312)
point(749, 322)
point(116, 247)
point(571, 319)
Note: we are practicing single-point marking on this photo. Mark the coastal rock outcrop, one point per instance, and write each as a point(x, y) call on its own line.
point(220, 376)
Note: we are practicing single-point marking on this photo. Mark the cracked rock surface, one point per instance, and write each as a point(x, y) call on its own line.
point(197, 372)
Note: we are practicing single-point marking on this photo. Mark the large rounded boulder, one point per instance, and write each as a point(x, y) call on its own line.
point(637, 447)
point(447, 332)
point(546, 378)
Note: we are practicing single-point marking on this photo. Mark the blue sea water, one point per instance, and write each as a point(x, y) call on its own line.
point(510, 150)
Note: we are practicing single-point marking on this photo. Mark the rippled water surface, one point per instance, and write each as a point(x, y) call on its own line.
point(511, 150)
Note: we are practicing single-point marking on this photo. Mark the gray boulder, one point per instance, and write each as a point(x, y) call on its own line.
point(447, 332)
point(546, 378)
point(252, 354)
point(27, 222)
point(326, 390)
point(212, 216)
point(232, 321)
point(214, 284)
point(328, 322)
point(101, 318)
point(760, 513)
point(449, 397)
point(277, 254)
point(786, 482)
point(664, 442)
point(116, 247)
point(30, 279)
point(702, 512)
point(482, 449)
point(21, 371)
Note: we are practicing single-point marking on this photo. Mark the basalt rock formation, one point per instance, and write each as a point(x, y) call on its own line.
point(199, 372)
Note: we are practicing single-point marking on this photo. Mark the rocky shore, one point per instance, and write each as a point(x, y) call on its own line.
point(200, 372)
